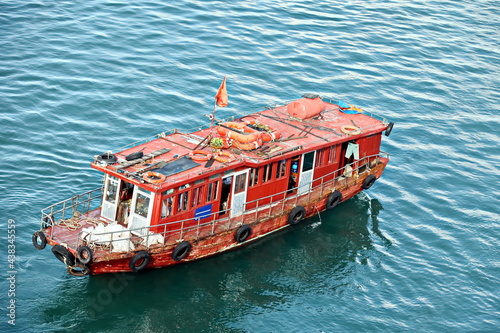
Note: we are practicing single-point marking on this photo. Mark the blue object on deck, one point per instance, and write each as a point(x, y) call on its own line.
point(343, 105)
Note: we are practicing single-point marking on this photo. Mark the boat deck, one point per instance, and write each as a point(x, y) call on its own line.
point(67, 231)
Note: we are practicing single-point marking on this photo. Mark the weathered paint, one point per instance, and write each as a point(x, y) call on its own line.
point(219, 235)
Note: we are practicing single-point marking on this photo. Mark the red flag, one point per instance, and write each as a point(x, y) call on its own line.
point(221, 96)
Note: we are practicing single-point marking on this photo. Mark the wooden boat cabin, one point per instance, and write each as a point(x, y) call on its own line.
point(182, 196)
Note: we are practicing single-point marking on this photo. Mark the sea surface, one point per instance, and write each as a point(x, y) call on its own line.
point(417, 252)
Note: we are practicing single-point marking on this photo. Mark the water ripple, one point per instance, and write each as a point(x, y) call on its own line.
point(419, 251)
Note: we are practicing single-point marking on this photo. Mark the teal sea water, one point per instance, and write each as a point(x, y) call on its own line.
point(418, 252)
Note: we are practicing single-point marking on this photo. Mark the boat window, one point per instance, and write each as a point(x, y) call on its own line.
point(167, 206)
point(320, 157)
point(280, 169)
point(112, 189)
point(196, 196)
point(308, 161)
point(142, 205)
point(332, 154)
point(212, 191)
point(292, 178)
point(182, 202)
point(253, 179)
point(239, 183)
point(266, 173)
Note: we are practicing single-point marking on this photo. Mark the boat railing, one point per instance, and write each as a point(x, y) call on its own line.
point(73, 207)
point(219, 221)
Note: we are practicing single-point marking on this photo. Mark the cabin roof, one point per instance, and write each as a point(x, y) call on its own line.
point(324, 123)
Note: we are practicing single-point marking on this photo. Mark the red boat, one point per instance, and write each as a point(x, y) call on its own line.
point(179, 196)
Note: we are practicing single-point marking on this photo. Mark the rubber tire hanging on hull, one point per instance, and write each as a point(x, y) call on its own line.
point(141, 257)
point(333, 200)
point(181, 251)
point(63, 255)
point(388, 130)
point(39, 236)
point(84, 254)
point(368, 182)
point(78, 270)
point(296, 215)
point(242, 233)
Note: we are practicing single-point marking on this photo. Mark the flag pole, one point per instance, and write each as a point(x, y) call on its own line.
point(221, 99)
point(212, 116)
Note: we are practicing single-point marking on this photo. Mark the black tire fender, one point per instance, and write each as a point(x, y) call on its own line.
point(181, 251)
point(368, 182)
point(388, 130)
point(39, 236)
point(242, 233)
point(333, 200)
point(139, 261)
point(64, 255)
point(296, 215)
point(78, 270)
point(84, 254)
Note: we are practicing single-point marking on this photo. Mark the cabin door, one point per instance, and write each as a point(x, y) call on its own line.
point(140, 211)
point(239, 192)
point(111, 198)
point(306, 172)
